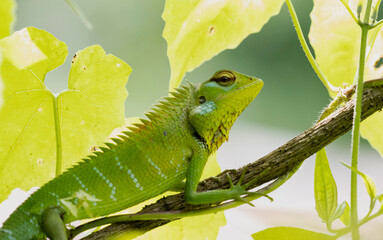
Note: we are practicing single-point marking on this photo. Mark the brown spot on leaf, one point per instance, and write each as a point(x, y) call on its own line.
point(74, 58)
point(378, 63)
point(94, 149)
point(211, 29)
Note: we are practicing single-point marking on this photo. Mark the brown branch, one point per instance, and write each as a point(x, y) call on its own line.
point(280, 161)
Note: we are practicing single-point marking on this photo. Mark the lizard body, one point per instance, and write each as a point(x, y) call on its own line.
point(159, 153)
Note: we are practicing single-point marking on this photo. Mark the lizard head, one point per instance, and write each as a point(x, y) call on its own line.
point(218, 102)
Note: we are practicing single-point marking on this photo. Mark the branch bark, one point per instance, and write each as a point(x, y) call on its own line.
point(280, 161)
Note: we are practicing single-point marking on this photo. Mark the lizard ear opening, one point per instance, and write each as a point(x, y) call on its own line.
point(201, 99)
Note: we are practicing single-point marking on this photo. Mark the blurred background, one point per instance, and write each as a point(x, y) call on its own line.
point(290, 102)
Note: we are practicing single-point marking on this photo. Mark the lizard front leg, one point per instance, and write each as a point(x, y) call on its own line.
point(53, 225)
point(193, 175)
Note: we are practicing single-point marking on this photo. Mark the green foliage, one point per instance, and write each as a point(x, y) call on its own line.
point(345, 217)
point(198, 30)
point(335, 38)
point(343, 213)
point(7, 9)
point(368, 182)
point(339, 38)
point(197, 227)
point(289, 233)
point(325, 190)
point(38, 121)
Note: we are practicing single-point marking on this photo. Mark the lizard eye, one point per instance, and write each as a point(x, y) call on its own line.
point(201, 99)
point(224, 78)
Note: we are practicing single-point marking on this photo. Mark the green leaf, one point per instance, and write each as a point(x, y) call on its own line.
point(345, 217)
point(335, 38)
point(94, 103)
point(86, 113)
point(7, 14)
point(197, 227)
point(1, 84)
point(197, 30)
point(380, 199)
point(325, 190)
point(289, 233)
point(368, 182)
point(339, 211)
point(372, 130)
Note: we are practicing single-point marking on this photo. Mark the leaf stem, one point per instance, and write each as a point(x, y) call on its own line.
point(377, 5)
point(306, 48)
point(56, 117)
point(77, 10)
point(356, 124)
point(343, 231)
point(378, 23)
point(345, 4)
point(368, 13)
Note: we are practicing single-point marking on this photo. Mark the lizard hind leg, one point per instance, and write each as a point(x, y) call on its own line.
point(53, 225)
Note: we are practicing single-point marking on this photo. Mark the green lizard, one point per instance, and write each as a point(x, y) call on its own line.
point(156, 156)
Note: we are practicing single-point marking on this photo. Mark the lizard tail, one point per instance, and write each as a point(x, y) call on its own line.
point(21, 225)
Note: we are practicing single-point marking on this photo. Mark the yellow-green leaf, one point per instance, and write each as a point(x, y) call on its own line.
point(341, 211)
point(325, 190)
point(335, 38)
point(7, 14)
point(199, 227)
point(372, 128)
point(289, 233)
point(93, 105)
point(380, 198)
point(1, 84)
point(87, 112)
point(197, 30)
point(368, 182)
point(345, 217)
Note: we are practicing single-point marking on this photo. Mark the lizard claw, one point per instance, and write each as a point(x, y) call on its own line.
point(261, 194)
point(240, 189)
point(240, 199)
point(230, 181)
point(216, 179)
